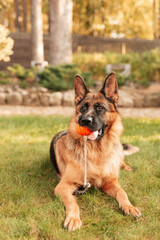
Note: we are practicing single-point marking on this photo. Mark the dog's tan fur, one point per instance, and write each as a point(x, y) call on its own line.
point(104, 156)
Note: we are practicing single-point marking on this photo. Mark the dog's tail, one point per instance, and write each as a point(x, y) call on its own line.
point(129, 149)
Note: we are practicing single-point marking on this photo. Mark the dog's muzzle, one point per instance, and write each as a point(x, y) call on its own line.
point(96, 126)
point(95, 135)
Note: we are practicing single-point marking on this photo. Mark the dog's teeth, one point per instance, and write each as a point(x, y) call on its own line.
point(100, 131)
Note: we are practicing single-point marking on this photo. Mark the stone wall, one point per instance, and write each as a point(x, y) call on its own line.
point(35, 96)
point(22, 46)
point(39, 96)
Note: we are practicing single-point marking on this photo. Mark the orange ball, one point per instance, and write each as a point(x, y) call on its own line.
point(83, 131)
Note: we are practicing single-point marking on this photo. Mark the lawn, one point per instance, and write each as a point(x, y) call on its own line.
point(28, 207)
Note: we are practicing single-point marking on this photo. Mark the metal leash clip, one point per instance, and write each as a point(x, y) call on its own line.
point(81, 190)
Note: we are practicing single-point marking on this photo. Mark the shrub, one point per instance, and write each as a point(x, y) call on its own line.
point(121, 80)
point(4, 78)
point(91, 62)
point(21, 72)
point(25, 75)
point(62, 77)
point(145, 67)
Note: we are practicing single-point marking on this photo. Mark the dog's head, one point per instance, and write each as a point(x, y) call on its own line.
point(96, 111)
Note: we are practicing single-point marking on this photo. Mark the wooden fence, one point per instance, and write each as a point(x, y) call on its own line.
point(90, 44)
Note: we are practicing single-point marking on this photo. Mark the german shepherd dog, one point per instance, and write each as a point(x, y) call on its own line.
point(105, 154)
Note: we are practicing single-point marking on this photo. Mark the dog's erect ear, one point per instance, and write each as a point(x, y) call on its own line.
point(110, 87)
point(80, 89)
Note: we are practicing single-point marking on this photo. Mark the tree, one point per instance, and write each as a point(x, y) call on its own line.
point(25, 15)
point(17, 11)
point(156, 18)
point(60, 12)
point(121, 18)
point(37, 32)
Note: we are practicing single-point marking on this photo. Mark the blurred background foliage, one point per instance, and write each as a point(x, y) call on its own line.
point(118, 18)
point(145, 69)
point(62, 77)
point(145, 66)
point(6, 43)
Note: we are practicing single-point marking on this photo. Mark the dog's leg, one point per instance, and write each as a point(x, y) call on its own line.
point(113, 189)
point(65, 190)
point(126, 167)
point(72, 221)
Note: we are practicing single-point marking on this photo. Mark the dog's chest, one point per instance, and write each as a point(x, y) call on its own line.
point(105, 164)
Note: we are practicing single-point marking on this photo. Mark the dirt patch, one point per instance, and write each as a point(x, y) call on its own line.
point(7, 110)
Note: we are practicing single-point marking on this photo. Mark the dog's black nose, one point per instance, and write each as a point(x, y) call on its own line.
point(87, 120)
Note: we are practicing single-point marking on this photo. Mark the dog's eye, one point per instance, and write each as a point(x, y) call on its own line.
point(100, 107)
point(84, 108)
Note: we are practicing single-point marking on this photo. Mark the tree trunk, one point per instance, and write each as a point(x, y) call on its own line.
point(37, 33)
point(17, 24)
point(24, 16)
point(60, 31)
point(156, 18)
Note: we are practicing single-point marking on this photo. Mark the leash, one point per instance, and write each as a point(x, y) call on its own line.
point(84, 188)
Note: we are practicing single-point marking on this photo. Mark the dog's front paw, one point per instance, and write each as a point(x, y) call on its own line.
point(128, 168)
point(128, 209)
point(72, 223)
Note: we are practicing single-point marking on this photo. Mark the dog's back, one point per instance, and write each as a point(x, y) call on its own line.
point(52, 150)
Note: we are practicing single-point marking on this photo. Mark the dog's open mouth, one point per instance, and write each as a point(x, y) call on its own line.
point(95, 134)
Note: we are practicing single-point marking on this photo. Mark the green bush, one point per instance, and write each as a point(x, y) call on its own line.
point(22, 73)
point(62, 77)
point(145, 67)
point(25, 75)
point(121, 80)
point(91, 62)
point(4, 78)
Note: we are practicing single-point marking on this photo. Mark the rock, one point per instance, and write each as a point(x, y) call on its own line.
point(16, 88)
point(22, 91)
point(32, 89)
point(8, 89)
point(43, 89)
point(56, 99)
point(135, 94)
point(152, 99)
point(44, 98)
point(154, 87)
point(3, 98)
point(138, 100)
point(2, 89)
point(31, 99)
point(125, 102)
point(125, 99)
point(68, 98)
point(26, 99)
point(14, 98)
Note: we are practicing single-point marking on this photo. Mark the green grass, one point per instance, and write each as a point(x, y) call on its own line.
point(28, 207)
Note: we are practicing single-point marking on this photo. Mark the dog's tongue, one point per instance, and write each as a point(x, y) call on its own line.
point(93, 135)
